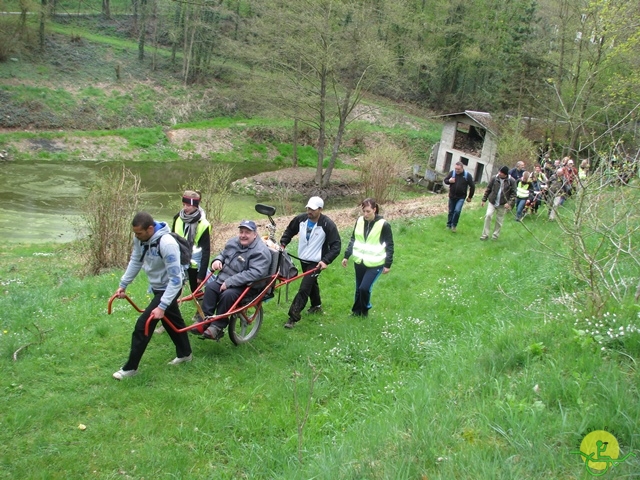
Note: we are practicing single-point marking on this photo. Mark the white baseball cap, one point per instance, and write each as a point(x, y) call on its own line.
point(315, 203)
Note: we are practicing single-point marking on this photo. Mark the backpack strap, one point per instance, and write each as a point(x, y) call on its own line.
point(466, 175)
point(146, 247)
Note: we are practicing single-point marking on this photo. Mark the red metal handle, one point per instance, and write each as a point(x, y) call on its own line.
point(126, 297)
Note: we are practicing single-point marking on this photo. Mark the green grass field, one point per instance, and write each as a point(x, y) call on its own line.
point(473, 364)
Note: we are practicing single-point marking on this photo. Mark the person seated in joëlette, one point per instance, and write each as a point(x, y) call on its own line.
point(244, 259)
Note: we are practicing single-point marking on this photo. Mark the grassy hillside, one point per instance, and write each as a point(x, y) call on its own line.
point(477, 362)
point(94, 99)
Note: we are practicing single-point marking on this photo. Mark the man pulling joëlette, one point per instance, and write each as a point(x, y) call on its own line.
point(158, 254)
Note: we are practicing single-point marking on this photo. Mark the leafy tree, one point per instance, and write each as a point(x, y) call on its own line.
point(321, 56)
point(513, 146)
point(594, 76)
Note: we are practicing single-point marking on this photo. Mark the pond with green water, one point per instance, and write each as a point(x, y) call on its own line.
point(40, 200)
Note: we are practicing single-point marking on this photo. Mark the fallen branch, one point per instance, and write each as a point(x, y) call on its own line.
point(40, 341)
point(15, 354)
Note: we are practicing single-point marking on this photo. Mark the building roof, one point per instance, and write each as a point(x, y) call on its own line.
point(483, 119)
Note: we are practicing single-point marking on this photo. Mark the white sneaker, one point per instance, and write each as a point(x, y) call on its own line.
point(179, 360)
point(159, 330)
point(120, 374)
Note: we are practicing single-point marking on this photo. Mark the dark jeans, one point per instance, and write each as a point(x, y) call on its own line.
point(215, 301)
point(455, 207)
point(139, 340)
point(365, 278)
point(520, 204)
point(308, 289)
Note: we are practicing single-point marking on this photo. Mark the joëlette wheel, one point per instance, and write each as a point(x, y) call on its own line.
point(244, 326)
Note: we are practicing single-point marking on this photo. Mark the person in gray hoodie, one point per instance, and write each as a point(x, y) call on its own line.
point(158, 255)
point(245, 259)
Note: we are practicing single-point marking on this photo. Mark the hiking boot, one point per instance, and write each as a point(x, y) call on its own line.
point(179, 360)
point(316, 309)
point(290, 324)
point(160, 330)
point(213, 333)
point(453, 229)
point(120, 374)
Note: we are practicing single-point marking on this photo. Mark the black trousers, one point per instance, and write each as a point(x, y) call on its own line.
point(139, 340)
point(215, 301)
point(309, 289)
point(192, 273)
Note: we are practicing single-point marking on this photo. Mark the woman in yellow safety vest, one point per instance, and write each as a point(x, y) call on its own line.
point(523, 193)
point(371, 247)
point(191, 223)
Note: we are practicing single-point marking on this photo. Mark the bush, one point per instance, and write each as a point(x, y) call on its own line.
point(381, 170)
point(106, 220)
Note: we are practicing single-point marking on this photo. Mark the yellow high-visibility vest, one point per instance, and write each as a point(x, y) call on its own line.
point(523, 190)
point(370, 251)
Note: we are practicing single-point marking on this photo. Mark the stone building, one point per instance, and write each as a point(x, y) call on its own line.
point(469, 137)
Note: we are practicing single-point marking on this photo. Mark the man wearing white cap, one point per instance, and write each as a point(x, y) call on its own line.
point(318, 245)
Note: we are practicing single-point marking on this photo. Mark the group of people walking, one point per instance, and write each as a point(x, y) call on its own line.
point(513, 188)
point(244, 260)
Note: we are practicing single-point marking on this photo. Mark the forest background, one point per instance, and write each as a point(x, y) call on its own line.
point(569, 64)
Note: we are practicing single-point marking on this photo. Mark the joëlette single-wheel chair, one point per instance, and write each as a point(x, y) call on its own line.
point(246, 314)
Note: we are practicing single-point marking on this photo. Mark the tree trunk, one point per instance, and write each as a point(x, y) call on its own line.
point(43, 16)
point(134, 4)
point(295, 143)
point(177, 21)
point(106, 9)
point(344, 113)
point(322, 133)
point(143, 30)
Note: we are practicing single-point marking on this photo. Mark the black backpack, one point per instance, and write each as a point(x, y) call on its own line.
point(287, 268)
point(183, 244)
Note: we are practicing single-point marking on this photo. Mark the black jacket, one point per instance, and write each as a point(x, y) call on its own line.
point(462, 183)
point(328, 234)
point(508, 194)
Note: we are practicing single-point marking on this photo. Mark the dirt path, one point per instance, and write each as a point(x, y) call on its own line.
point(344, 218)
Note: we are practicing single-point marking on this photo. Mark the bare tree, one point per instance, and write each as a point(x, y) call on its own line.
point(106, 8)
point(106, 220)
point(322, 56)
point(600, 227)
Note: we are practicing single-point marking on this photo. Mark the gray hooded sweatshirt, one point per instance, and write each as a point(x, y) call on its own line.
point(164, 272)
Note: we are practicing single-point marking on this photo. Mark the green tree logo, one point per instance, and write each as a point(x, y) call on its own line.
point(600, 451)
